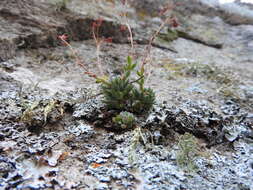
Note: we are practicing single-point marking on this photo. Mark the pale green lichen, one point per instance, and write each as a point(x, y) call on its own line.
point(137, 138)
point(28, 114)
point(169, 36)
point(188, 152)
point(60, 5)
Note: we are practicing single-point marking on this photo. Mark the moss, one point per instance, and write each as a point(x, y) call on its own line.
point(230, 91)
point(227, 83)
point(60, 5)
point(207, 71)
point(142, 14)
point(169, 36)
point(210, 34)
point(176, 70)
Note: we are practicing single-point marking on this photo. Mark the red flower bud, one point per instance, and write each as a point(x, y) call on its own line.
point(94, 24)
point(123, 2)
point(63, 37)
point(108, 40)
point(123, 28)
point(174, 22)
point(99, 22)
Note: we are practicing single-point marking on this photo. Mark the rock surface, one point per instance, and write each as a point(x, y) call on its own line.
point(55, 132)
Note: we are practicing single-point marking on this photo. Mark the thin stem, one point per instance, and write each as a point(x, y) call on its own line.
point(78, 60)
point(131, 36)
point(99, 61)
point(151, 40)
point(98, 43)
point(136, 80)
point(148, 48)
point(128, 27)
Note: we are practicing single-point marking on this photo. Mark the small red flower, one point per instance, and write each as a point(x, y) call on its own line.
point(163, 11)
point(94, 24)
point(97, 23)
point(123, 28)
point(174, 22)
point(108, 40)
point(123, 2)
point(63, 37)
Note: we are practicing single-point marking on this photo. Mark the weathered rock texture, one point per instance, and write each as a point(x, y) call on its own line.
point(55, 132)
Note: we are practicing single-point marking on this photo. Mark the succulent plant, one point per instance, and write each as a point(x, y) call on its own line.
point(120, 93)
point(124, 120)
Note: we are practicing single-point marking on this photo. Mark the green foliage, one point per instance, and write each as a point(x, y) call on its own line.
point(187, 152)
point(169, 36)
point(117, 93)
point(124, 120)
point(121, 94)
point(142, 100)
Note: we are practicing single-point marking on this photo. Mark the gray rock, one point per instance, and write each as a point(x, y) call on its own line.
point(102, 186)
point(118, 174)
point(88, 110)
point(85, 130)
point(6, 168)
